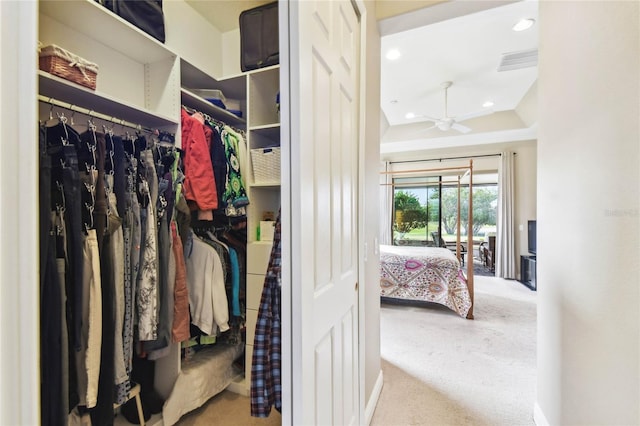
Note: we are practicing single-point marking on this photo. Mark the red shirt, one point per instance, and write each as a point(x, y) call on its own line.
point(199, 183)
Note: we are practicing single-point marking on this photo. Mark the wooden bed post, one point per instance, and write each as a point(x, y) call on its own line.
point(458, 224)
point(470, 242)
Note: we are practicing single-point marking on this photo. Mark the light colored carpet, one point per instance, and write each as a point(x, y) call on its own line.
point(228, 409)
point(441, 369)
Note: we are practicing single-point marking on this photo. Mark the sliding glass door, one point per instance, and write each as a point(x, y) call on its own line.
point(416, 211)
point(485, 201)
point(426, 209)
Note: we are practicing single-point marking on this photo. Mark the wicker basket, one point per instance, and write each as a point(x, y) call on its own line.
point(266, 165)
point(64, 64)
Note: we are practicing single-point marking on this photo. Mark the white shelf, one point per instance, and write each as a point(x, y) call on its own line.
point(194, 101)
point(233, 87)
point(266, 185)
point(60, 89)
point(264, 86)
point(264, 136)
point(265, 69)
point(100, 24)
point(266, 127)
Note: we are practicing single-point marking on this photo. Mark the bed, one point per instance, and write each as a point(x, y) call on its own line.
point(430, 274)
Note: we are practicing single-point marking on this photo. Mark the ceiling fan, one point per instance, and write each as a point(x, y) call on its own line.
point(446, 123)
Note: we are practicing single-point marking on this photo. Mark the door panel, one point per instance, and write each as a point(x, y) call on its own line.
point(324, 164)
point(324, 385)
point(321, 95)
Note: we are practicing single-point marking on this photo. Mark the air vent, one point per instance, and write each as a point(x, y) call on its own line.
point(516, 60)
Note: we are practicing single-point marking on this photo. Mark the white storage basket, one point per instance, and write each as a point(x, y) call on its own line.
point(266, 165)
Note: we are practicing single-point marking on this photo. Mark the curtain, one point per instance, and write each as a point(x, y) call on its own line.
point(505, 238)
point(386, 204)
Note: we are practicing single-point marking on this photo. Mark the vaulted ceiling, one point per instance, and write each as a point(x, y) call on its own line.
point(447, 42)
point(459, 41)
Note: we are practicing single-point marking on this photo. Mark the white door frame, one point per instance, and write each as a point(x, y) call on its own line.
point(19, 249)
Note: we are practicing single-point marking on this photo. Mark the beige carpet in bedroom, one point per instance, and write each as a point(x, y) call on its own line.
point(441, 369)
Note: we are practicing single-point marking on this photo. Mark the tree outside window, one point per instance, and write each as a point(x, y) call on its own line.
point(484, 209)
point(417, 212)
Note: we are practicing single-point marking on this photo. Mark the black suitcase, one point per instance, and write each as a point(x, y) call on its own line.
point(259, 37)
point(144, 14)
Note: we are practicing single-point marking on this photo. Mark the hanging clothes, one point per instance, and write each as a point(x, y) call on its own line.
point(166, 275)
point(53, 410)
point(207, 296)
point(117, 277)
point(235, 195)
point(218, 161)
point(147, 292)
point(266, 380)
point(199, 183)
point(180, 329)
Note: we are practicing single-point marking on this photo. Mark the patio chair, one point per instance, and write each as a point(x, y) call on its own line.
point(440, 242)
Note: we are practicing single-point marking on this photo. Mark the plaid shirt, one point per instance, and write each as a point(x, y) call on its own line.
point(266, 385)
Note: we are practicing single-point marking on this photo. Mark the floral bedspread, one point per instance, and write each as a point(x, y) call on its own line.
point(429, 274)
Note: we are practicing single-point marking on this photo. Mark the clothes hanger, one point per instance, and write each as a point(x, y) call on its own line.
point(60, 207)
point(63, 120)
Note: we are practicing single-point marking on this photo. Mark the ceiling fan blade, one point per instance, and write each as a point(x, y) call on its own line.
point(471, 115)
point(416, 133)
point(427, 118)
point(460, 128)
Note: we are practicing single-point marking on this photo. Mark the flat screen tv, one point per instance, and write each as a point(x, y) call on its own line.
point(531, 236)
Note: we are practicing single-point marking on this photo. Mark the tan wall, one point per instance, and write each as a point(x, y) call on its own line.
point(388, 8)
point(589, 214)
point(525, 195)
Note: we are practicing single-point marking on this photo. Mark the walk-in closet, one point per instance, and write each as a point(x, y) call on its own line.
point(159, 192)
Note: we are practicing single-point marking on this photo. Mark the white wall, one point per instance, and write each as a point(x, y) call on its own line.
point(231, 53)
point(203, 54)
point(371, 287)
point(588, 214)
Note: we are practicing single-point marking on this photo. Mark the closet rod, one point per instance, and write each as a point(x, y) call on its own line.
point(413, 185)
point(94, 114)
point(426, 170)
point(215, 120)
point(466, 157)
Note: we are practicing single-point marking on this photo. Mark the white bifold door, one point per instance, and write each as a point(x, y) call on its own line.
point(323, 67)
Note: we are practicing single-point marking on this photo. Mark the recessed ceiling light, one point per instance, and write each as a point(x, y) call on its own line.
point(523, 24)
point(488, 104)
point(393, 54)
point(410, 115)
